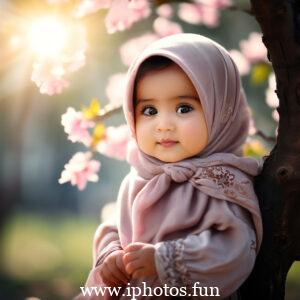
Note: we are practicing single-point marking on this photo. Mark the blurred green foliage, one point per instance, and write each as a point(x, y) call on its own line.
point(48, 255)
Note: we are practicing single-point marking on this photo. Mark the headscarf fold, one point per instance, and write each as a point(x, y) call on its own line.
point(158, 199)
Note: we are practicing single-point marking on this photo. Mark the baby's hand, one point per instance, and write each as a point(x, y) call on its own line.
point(112, 270)
point(139, 260)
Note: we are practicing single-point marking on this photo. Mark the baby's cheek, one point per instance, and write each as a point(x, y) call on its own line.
point(145, 138)
point(195, 137)
point(191, 131)
point(140, 128)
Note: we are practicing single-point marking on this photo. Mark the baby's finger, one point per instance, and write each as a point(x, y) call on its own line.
point(130, 256)
point(139, 273)
point(120, 275)
point(120, 264)
point(107, 277)
point(114, 270)
point(132, 266)
point(133, 247)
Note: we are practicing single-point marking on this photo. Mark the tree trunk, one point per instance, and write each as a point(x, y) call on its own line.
point(278, 186)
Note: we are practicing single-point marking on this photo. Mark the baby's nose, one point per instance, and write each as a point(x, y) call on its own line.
point(165, 124)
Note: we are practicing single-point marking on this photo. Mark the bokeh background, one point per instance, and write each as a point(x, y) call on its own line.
point(46, 229)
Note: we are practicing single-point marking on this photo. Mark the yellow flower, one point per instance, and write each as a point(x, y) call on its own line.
point(254, 148)
point(260, 73)
point(93, 110)
point(98, 134)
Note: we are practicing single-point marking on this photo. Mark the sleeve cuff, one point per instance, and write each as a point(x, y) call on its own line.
point(170, 265)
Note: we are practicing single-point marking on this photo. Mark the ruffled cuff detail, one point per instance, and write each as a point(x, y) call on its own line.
point(170, 265)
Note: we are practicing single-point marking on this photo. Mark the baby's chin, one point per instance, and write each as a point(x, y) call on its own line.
point(175, 157)
point(170, 157)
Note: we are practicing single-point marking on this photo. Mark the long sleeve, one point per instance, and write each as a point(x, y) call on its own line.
point(106, 240)
point(221, 256)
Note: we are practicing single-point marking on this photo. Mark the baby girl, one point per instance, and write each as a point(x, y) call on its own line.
point(187, 211)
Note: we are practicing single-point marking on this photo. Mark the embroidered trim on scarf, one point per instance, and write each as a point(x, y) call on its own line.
point(226, 181)
point(219, 175)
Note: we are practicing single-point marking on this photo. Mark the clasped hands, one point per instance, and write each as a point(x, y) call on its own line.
point(135, 261)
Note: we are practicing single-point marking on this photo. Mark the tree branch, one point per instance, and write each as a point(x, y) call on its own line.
point(107, 112)
point(269, 139)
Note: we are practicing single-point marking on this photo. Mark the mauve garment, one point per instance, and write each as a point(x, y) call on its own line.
point(201, 213)
point(219, 250)
point(222, 255)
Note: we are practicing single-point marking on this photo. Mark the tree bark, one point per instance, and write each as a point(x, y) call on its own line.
point(278, 186)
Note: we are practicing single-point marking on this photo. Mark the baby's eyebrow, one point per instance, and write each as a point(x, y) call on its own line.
point(173, 98)
point(188, 96)
point(144, 100)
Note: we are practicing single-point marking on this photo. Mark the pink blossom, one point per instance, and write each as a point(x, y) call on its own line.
point(219, 4)
point(190, 13)
point(122, 14)
point(138, 4)
point(164, 27)
point(49, 71)
point(76, 61)
point(74, 57)
point(86, 7)
point(115, 89)
point(165, 10)
point(271, 97)
point(253, 48)
point(80, 169)
point(199, 13)
point(211, 17)
point(54, 86)
point(240, 60)
point(48, 77)
point(275, 115)
point(115, 142)
point(130, 49)
point(252, 127)
point(76, 126)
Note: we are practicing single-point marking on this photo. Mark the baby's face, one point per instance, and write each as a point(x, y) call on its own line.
point(170, 122)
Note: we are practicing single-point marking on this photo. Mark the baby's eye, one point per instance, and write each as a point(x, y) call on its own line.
point(149, 111)
point(183, 109)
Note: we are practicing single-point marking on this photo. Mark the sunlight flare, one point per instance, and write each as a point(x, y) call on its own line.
point(47, 36)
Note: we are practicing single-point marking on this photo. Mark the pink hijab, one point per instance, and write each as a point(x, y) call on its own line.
point(160, 201)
